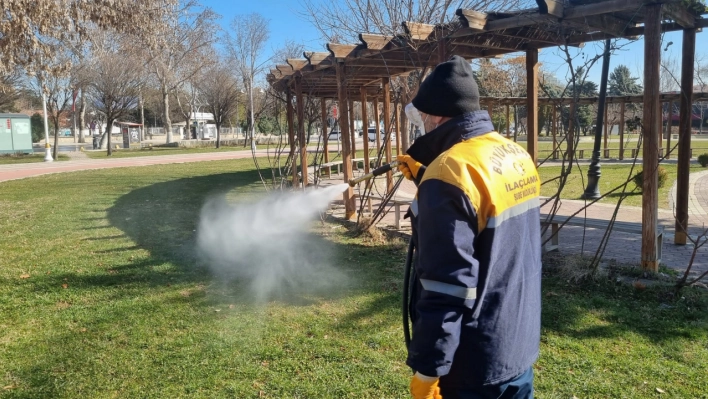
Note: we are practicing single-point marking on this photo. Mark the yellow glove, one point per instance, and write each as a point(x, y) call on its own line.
point(408, 166)
point(424, 387)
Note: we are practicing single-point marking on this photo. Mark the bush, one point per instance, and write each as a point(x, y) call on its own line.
point(37, 126)
point(703, 159)
point(663, 176)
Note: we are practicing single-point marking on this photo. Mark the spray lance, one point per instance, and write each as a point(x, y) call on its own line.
point(376, 172)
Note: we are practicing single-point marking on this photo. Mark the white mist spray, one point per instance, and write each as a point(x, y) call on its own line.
point(267, 243)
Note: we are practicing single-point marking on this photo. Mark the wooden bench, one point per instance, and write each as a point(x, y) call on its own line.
point(624, 227)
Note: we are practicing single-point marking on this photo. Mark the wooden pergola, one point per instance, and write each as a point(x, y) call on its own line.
point(362, 72)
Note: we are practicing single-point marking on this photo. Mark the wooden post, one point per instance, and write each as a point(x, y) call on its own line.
point(442, 50)
point(377, 122)
point(365, 127)
point(621, 131)
point(605, 153)
point(570, 140)
point(387, 128)
point(660, 129)
point(554, 132)
point(397, 122)
point(349, 201)
point(668, 130)
point(684, 141)
point(291, 135)
point(405, 136)
point(508, 123)
point(651, 128)
point(301, 128)
point(352, 130)
point(325, 135)
point(532, 103)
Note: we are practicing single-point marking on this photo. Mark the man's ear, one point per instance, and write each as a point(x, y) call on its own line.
point(436, 119)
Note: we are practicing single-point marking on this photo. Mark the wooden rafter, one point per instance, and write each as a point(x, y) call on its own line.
point(374, 42)
point(341, 51)
point(315, 58)
point(476, 21)
point(680, 15)
point(418, 31)
point(296, 64)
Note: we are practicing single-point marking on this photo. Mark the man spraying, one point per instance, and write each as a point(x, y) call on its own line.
point(476, 301)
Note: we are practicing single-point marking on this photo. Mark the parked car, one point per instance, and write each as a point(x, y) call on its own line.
point(334, 135)
point(372, 134)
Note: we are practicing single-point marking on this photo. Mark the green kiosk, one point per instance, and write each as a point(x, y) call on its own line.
point(15, 134)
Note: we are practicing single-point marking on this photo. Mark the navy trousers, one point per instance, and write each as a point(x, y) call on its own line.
point(520, 387)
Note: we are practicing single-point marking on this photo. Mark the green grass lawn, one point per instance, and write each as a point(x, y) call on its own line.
point(612, 176)
point(101, 295)
point(123, 153)
point(9, 159)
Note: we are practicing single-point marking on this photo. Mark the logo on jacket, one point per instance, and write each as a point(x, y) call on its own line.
point(519, 168)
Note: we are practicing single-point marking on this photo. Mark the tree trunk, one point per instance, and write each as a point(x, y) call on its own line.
point(102, 144)
point(218, 135)
point(82, 117)
point(109, 127)
point(55, 150)
point(142, 119)
point(166, 116)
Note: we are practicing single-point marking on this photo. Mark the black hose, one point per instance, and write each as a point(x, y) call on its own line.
point(407, 292)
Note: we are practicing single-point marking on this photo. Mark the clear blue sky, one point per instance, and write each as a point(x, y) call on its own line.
point(286, 24)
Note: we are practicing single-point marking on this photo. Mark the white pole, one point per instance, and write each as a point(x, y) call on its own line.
point(47, 147)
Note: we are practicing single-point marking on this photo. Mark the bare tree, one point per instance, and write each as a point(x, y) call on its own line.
point(114, 83)
point(176, 59)
point(58, 88)
point(9, 93)
point(220, 93)
point(345, 20)
point(27, 30)
point(245, 45)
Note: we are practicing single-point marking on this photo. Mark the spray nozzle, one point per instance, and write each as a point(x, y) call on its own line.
point(376, 172)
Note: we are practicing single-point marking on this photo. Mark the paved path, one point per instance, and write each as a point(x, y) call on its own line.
point(20, 171)
point(623, 247)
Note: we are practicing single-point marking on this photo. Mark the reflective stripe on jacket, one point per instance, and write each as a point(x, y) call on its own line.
point(477, 307)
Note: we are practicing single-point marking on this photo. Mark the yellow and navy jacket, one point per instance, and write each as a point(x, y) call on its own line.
point(476, 306)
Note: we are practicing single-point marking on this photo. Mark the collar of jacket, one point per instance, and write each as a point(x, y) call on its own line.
point(429, 146)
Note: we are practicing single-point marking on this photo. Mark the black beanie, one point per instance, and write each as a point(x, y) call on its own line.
point(450, 90)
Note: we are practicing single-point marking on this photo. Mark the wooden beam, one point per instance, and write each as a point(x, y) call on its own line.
point(341, 51)
point(291, 134)
point(387, 129)
point(397, 123)
point(285, 70)
point(532, 103)
point(609, 24)
point(520, 20)
point(352, 129)
point(365, 128)
point(325, 135)
point(296, 64)
point(621, 131)
point(349, 201)
point(680, 14)
point(475, 20)
point(374, 42)
point(300, 101)
point(377, 123)
point(650, 126)
point(684, 142)
point(418, 31)
point(551, 7)
point(315, 58)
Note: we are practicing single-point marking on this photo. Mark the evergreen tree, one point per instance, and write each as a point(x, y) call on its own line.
point(622, 83)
